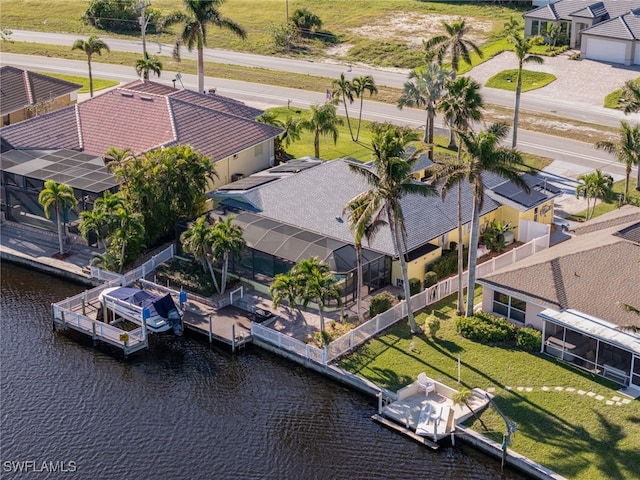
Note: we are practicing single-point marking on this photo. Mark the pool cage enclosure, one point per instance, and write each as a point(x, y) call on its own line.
point(274, 247)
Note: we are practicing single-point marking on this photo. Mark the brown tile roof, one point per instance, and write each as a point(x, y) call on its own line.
point(593, 273)
point(21, 88)
point(137, 119)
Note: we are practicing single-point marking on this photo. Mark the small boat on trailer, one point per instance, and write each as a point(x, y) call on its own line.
point(159, 313)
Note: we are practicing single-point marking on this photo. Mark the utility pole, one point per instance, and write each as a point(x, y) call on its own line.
point(143, 20)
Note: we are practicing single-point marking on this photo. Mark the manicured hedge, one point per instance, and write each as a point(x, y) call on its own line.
point(447, 264)
point(486, 328)
point(380, 303)
point(529, 339)
point(415, 286)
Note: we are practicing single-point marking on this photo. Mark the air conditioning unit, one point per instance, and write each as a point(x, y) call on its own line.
point(508, 238)
point(237, 176)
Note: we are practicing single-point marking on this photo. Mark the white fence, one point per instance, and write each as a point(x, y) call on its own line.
point(135, 274)
point(364, 332)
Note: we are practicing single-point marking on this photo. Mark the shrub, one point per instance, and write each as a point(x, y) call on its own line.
point(380, 303)
point(415, 286)
point(537, 40)
point(485, 328)
point(447, 264)
point(575, 56)
point(430, 279)
point(529, 339)
point(322, 338)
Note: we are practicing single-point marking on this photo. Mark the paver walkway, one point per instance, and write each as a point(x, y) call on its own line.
point(614, 400)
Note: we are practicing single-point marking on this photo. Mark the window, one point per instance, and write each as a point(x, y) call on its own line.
point(510, 307)
point(535, 27)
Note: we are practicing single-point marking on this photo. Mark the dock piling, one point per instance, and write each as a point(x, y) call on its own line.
point(210, 330)
point(233, 338)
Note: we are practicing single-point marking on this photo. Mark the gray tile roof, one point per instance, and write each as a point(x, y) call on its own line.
point(592, 273)
point(313, 199)
point(564, 9)
point(625, 27)
point(21, 88)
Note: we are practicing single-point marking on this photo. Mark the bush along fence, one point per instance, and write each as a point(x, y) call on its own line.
point(384, 320)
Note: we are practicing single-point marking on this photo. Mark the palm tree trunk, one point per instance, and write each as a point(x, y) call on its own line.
point(124, 246)
point(90, 77)
point(638, 179)
point(626, 182)
point(516, 108)
point(398, 244)
point(428, 135)
point(213, 276)
point(201, 68)
point(225, 267)
point(359, 279)
point(452, 139)
point(321, 317)
point(460, 247)
point(360, 117)
point(316, 143)
point(473, 255)
point(60, 245)
point(346, 112)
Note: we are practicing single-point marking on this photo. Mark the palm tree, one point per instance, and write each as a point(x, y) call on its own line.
point(343, 88)
point(89, 47)
point(484, 154)
point(115, 158)
point(360, 85)
point(130, 228)
point(148, 64)
point(316, 284)
point(201, 13)
point(226, 241)
point(451, 44)
point(93, 222)
point(461, 105)
point(594, 185)
point(285, 288)
point(424, 89)
point(323, 121)
point(390, 180)
point(59, 197)
point(627, 149)
point(630, 97)
point(521, 47)
point(291, 133)
point(362, 226)
point(196, 240)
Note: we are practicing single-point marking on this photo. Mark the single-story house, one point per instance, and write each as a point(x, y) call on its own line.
point(304, 199)
point(605, 30)
point(141, 116)
point(28, 94)
point(575, 294)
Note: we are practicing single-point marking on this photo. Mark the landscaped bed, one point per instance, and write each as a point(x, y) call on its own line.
point(578, 435)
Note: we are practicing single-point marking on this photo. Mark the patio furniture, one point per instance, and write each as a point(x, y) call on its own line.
point(423, 421)
point(426, 384)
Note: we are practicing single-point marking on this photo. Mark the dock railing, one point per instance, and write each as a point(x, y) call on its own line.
point(137, 273)
point(285, 342)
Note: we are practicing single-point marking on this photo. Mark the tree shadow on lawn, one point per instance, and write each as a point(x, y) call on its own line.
point(390, 377)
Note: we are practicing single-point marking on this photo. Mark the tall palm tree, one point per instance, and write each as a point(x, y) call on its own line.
point(285, 288)
point(461, 105)
point(594, 185)
point(89, 47)
point(130, 229)
point(452, 45)
point(323, 121)
point(630, 97)
point(627, 149)
point(58, 197)
point(360, 85)
point(521, 47)
point(201, 13)
point(343, 88)
point(226, 241)
point(362, 225)
point(317, 284)
point(390, 180)
point(196, 240)
point(148, 64)
point(484, 154)
point(424, 89)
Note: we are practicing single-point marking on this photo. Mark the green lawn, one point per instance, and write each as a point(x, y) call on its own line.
point(612, 100)
point(575, 435)
point(612, 203)
point(98, 83)
point(506, 80)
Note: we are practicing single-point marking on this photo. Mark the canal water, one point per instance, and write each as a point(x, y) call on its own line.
point(185, 410)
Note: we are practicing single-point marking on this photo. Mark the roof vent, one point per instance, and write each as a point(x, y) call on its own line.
point(147, 99)
point(127, 94)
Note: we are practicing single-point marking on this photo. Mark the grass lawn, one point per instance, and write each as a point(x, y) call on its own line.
point(575, 435)
point(506, 80)
point(613, 99)
point(612, 203)
point(98, 83)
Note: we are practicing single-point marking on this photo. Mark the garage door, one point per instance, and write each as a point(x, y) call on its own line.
point(637, 59)
point(605, 50)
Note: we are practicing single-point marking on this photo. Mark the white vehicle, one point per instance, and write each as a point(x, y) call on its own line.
point(132, 304)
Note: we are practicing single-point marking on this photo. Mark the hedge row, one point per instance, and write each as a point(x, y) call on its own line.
point(487, 328)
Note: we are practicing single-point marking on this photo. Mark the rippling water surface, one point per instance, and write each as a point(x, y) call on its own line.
point(186, 410)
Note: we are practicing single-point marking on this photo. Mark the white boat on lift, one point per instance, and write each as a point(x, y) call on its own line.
point(134, 304)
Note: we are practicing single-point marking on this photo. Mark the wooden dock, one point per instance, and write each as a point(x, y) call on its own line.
point(405, 431)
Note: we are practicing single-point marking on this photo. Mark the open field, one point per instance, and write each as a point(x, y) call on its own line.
point(577, 435)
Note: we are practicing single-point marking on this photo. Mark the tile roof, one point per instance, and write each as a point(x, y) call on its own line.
point(22, 88)
point(313, 199)
point(625, 27)
point(142, 120)
point(564, 9)
point(592, 273)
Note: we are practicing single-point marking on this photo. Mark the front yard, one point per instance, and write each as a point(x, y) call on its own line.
point(564, 420)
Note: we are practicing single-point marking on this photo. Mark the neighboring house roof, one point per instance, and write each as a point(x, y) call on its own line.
point(565, 9)
point(594, 272)
point(314, 198)
point(20, 88)
point(508, 193)
point(141, 120)
point(624, 27)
